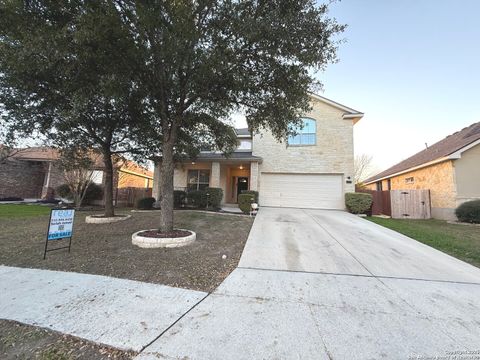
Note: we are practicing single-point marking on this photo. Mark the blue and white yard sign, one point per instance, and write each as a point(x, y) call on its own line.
point(61, 224)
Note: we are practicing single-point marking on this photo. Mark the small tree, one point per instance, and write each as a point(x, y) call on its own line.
point(76, 166)
point(363, 168)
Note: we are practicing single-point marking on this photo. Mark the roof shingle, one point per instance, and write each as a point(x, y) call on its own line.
point(443, 148)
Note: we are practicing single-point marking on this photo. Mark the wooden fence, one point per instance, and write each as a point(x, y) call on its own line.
point(400, 204)
point(410, 204)
point(130, 195)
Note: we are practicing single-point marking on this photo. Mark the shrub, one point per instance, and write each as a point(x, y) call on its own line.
point(145, 203)
point(215, 196)
point(251, 192)
point(94, 192)
point(179, 198)
point(469, 212)
point(244, 202)
point(358, 203)
point(11, 198)
point(197, 198)
point(64, 191)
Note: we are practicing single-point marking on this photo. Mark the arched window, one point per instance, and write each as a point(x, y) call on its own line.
point(305, 135)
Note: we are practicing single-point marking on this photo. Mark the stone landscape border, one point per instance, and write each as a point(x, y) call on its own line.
point(95, 219)
point(152, 242)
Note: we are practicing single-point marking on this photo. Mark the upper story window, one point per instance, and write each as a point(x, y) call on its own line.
point(245, 144)
point(305, 135)
point(409, 180)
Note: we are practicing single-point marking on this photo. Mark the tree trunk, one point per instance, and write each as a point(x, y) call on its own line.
point(166, 187)
point(108, 190)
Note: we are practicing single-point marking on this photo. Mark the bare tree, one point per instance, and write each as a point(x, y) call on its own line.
point(76, 166)
point(363, 168)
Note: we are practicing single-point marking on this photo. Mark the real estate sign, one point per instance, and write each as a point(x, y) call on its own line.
point(60, 227)
point(61, 224)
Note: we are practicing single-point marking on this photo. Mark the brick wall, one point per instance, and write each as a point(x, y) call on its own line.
point(21, 178)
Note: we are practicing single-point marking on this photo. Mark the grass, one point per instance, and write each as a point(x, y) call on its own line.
point(460, 241)
point(22, 210)
point(20, 341)
point(106, 249)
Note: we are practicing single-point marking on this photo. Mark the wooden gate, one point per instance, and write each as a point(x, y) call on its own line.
point(410, 204)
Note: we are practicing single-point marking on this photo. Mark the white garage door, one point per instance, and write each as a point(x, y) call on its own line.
point(315, 191)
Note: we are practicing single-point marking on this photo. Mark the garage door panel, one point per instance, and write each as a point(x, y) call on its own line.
point(322, 191)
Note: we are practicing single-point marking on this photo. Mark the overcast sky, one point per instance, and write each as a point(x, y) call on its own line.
point(412, 66)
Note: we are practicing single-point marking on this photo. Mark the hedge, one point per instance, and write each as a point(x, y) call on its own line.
point(469, 212)
point(251, 192)
point(94, 192)
point(358, 203)
point(244, 202)
point(179, 197)
point(215, 196)
point(197, 198)
point(145, 203)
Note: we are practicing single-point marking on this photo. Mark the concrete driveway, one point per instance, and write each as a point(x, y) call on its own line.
point(315, 284)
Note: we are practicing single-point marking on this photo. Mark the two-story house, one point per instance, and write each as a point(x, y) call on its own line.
point(313, 169)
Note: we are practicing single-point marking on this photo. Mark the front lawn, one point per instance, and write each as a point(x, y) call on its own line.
point(22, 210)
point(106, 249)
point(461, 241)
point(19, 341)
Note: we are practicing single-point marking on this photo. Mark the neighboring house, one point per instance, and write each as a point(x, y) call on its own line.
point(33, 173)
point(450, 169)
point(311, 170)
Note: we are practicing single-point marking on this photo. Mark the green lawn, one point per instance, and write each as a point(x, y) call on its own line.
point(461, 241)
point(21, 210)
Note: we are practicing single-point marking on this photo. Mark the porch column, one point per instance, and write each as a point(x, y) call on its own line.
point(156, 181)
point(254, 176)
point(46, 190)
point(215, 175)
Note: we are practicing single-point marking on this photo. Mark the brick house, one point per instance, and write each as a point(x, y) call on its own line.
point(450, 169)
point(32, 173)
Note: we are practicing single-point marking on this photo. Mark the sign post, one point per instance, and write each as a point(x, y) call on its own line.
point(60, 227)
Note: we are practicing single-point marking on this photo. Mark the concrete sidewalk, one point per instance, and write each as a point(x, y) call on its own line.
point(316, 284)
point(121, 313)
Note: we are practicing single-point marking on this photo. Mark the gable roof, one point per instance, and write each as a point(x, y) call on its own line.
point(45, 153)
point(438, 151)
point(349, 112)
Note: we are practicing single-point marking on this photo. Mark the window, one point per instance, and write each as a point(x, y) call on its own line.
point(198, 179)
point(245, 144)
point(409, 180)
point(389, 184)
point(379, 186)
point(305, 135)
point(97, 177)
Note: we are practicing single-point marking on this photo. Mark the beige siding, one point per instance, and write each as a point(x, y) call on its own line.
point(332, 154)
point(467, 175)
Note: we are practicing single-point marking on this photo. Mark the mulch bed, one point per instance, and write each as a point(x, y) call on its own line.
point(162, 235)
point(107, 249)
point(19, 341)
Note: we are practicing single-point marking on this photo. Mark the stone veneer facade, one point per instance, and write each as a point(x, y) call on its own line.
point(450, 182)
point(332, 153)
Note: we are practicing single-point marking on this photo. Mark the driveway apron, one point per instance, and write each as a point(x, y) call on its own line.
point(320, 284)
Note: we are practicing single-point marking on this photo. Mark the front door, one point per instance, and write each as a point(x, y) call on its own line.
point(242, 184)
